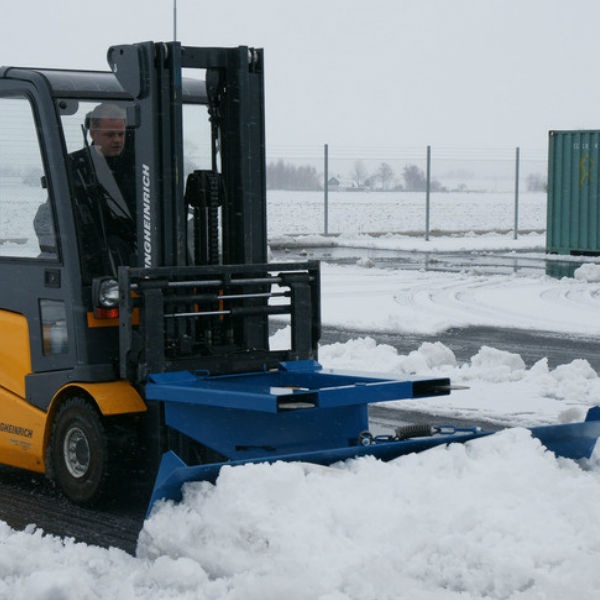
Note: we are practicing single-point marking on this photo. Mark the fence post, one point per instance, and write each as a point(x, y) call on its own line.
point(516, 229)
point(427, 190)
point(326, 189)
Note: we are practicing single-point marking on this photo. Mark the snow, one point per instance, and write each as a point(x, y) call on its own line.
point(429, 302)
point(368, 212)
point(498, 518)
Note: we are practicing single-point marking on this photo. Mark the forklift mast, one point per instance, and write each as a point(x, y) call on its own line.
point(201, 285)
point(152, 74)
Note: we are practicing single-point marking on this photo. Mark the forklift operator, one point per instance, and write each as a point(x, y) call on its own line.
point(104, 197)
point(107, 163)
point(108, 132)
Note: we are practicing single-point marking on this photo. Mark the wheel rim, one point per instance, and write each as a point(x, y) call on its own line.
point(76, 452)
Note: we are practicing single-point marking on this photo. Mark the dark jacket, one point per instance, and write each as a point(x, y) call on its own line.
point(104, 210)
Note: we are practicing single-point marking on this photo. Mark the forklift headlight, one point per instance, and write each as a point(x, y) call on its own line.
point(105, 292)
point(108, 293)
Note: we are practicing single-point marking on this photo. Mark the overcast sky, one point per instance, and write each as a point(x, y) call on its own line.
point(356, 73)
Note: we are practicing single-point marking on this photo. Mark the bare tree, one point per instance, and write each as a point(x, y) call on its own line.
point(385, 174)
point(536, 183)
point(414, 178)
point(284, 176)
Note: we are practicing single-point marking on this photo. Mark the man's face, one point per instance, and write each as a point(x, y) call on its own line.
point(109, 136)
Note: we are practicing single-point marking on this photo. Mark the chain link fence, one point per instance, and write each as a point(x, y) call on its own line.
point(468, 189)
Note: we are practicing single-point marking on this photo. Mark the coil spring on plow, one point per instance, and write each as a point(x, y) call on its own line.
point(366, 438)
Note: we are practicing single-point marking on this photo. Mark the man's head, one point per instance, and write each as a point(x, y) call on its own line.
point(107, 128)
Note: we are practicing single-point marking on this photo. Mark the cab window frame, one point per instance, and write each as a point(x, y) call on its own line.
point(24, 96)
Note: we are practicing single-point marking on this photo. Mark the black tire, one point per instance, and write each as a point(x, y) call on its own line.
point(78, 456)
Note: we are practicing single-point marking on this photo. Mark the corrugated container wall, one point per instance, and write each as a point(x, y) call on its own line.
point(573, 221)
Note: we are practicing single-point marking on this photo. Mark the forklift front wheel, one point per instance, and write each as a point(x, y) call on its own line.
point(78, 452)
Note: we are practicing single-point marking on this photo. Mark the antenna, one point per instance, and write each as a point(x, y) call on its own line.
point(174, 20)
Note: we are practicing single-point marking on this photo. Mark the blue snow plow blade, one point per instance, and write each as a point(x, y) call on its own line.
point(300, 413)
point(173, 472)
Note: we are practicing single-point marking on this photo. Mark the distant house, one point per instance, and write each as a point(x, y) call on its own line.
point(340, 184)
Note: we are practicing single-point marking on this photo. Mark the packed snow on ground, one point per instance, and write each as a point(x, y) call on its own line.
point(429, 302)
point(497, 518)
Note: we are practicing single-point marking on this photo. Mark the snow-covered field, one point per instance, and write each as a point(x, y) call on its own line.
point(376, 212)
point(498, 518)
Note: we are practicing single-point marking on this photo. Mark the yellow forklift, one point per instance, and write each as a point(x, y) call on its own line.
point(136, 299)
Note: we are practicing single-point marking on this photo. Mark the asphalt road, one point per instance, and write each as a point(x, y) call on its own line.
point(29, 499)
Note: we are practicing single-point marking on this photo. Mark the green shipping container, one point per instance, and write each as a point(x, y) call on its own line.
point(573, 220)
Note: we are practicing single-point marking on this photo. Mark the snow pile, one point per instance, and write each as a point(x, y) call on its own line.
point(38, 567)
point(588, 272)
point(464, 242)
point(501, 390)
point(498, 518)
point(457, 522)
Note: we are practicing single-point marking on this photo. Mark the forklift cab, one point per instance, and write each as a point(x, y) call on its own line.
point(55, 246)
point(191, 176)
